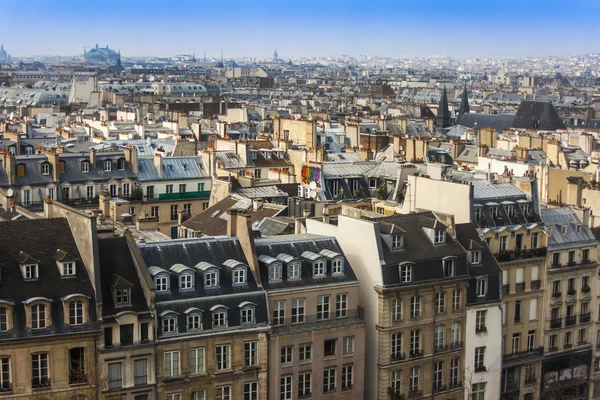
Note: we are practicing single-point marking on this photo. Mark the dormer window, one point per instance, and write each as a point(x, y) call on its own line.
point(494, 212)
point(440, 236)
point(122, 297)
point(337, 266)
point(449, 267)
point(563, 229)
point(107, 164)
point(253, 155)
point(85, 167)
point(319, 268)
point(161, 283)
point(68, 268)
point(219, 317)
point(247, 312)
point(30, 272)
point(121, 164)
point(275, 272)
point(211, 279)
point(481, 287)
point(475, 257)
point(239, 276)
point(169, 323)
point(76, 312)
point(186, 281)
point(406, 271)
point(194, 320)
point(397, 242)
point(45, 169)
point(578, 229)
point(293, 271)
point(38, 316)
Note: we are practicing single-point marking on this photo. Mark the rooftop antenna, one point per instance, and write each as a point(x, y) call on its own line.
point(194, 55)
point(204, 57)
point(221, 54)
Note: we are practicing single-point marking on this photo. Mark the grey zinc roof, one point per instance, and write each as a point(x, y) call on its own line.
point(335, 169)
point(498, 122)
point(173, 168)
point(483, 190)
point(558, 218)
point(470, 154)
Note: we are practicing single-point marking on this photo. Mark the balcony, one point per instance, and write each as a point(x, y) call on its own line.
point(38, 383)
point(480, 368)
point(585, 317)
point(585, 289)
point(312, 322)
point(440, 348)
point(415, 353)
point(568, 346)
point(556, 323)
point(536, 351)
point(203, 194)
point(571, 292)
point(535, 285)
point(519, 287)
point(552, 348)
point(572, 320)
point(520, 254)
point(397, 357)
point(556, 294)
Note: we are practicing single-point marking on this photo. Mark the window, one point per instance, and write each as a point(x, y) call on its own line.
point(199, 394)
point(250, 354)
point(347, 377)
point(329, 380)
point(440, 302)
point(297, 311)
point(414, 378)
point(201, 187)
point(438, 376)
point(337, 266)
point(3, 319)
point(396, 346)
point(140, 371)
point(571, 257)
point(494, 212)
point(397, 382)
point(126, 334)
point(455, 333)
point(194, 321)
point(169, 188)
point(293, 270)
point(257, 174)
point(397, 310)
point(480, 358)
point(556, 259)
point(440, 236)
point(38, 316)
point(322, 308)
point(113, 190)
point(516, 343)
point(115, 375)
point(247, 315)
point(239, 276)
point(5, 374)
point(286, 354)
point(85, 167)
point(77, 365)
point(341, 302)
point(397, 241)
point(304, 384)
point(556, 287)
point(126, 189)
point(518, 310)
point(222, 357)
point(481, 287)
point(568, 339)
point(585, 283)
point(278, 312)
point(274, 273)
point(348, 345)
point(582, 337)
point(162, 284)
point(107, 165)
point(330, 347)
point(534, 240)
point(197, 360)
point(224, 392)
point(503, 240)
point(530, 340)
point(585, 256)
point(285, 386)
point(405, 273)
point(169, 324)
point(108, 337)
point(449, 267)
point(478, 391)
point(456, 300)
point(319, 268)
point(121, 164)
point(174, 212)
point(154, 211)
point(219, 318)
point(45, 169)
point(529, 373)
point(475, 257)
point(251, 390)
point(415, 342)
point(31, 271)
point(415, 307)
point(305, 352)
point(89, 190)
point(186, 281)
point(182, 188)
point(76, 312)
point(571, 285)
point(454, 371)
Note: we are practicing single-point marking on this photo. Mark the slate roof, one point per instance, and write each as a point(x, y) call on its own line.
point(116, 263)
point(537, 115)
point(470, 154)
point(281, 247)
point(179, 168)
point(499, 122)
point(565, 218)
point(40, 239)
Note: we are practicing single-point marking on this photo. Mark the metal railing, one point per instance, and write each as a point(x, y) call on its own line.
point(204, 194)
point(528, 352)
point(585, 317)
point(40, 382)
point(556, 323)
point(556, 294)
point(519, 287)
point(395, 357)
point(571, 320)
point(535, 285)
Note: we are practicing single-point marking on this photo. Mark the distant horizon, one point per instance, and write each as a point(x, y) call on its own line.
point(462, 30)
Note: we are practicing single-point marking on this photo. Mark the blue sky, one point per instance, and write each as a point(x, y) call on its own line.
point(460, 28)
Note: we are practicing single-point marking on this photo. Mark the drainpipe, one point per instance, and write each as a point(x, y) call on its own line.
point(155, 355)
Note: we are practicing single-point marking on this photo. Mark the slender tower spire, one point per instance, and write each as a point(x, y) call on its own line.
point(464, 103)
point(443, 114)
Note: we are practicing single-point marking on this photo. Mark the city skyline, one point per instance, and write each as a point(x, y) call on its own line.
point(311, 29)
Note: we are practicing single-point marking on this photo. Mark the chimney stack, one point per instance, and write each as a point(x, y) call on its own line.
point(239, 225)
point(158, 164)
point(131, 156)
point(92, 158)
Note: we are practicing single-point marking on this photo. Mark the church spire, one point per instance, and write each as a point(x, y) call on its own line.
point(443, 114)
point(464, 103)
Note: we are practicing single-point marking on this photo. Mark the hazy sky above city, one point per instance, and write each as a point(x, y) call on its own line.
point(465, 29)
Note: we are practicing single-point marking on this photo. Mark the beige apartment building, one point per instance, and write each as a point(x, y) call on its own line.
point(317, 342)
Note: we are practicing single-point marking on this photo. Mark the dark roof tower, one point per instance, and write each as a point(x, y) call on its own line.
point(464, 103)
point(443, 114)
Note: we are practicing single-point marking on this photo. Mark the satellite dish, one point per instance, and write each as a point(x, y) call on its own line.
point(10, 193)
point(312, 185)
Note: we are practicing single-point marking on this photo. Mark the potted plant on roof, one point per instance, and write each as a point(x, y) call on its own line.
point(357, 194)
